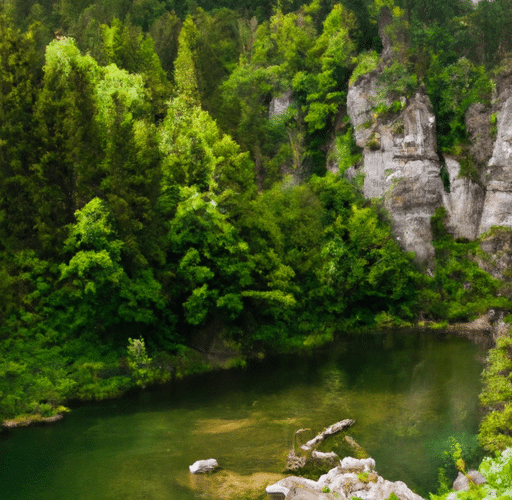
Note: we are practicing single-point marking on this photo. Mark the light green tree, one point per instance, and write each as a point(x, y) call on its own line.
point(139, 361)
point(95, 291)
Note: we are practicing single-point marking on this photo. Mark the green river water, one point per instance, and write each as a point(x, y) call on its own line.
point(407, 392)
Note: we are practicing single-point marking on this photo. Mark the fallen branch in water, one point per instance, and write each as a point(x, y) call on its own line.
point(330, 431)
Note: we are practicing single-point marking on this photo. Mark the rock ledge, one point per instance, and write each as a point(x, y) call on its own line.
point(352, 478)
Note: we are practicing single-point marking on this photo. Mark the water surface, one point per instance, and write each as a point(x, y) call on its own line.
point(407, 392)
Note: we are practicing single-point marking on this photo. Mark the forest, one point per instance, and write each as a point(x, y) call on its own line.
point(155, 221)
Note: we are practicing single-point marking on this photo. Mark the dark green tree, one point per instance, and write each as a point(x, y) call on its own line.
point(165, 31)
point(64, 167)
point(19, 78)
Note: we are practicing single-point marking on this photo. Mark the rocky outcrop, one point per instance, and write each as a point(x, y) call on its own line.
point(464, 203)
point(401, 164)
point(280, 104)
point(402, 167)
point(492, 149)
point(352, 478)
point(497, 209)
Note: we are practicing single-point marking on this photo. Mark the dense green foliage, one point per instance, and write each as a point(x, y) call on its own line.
point(461, 290)
point(150, 209)
point(495, 431)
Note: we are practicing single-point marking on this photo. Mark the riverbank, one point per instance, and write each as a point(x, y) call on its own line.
point(110, 381)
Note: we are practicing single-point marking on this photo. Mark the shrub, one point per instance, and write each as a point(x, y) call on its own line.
point(496, 428)
point(366, 63)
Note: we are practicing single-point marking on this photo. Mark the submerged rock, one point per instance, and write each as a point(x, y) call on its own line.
point(463, 482)
point(353, 478)
point(202, 466)
point(304, 459)
point(229, 485)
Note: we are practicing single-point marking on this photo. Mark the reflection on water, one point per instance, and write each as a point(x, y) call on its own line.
point(407, 393)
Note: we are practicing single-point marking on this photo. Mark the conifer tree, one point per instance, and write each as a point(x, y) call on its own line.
point(64, 169)
point(18, 87)
point(184, 66)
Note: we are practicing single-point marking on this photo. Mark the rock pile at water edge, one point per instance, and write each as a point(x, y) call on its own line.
point(352, 478)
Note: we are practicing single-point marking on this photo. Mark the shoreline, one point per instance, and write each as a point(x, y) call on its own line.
point(29, 420)
point(480, 331)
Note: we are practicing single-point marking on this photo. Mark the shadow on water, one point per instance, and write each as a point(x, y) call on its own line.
point(407, 392)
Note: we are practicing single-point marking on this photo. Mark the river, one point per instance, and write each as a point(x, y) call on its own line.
point(407, 392)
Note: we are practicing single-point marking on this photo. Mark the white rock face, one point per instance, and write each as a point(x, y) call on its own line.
point(279, 105)
point(498, 200)
point(350, 464)
point(502, 153)
point(464, 203)
point(401, 166)
point(202, 466)
point(400, 163)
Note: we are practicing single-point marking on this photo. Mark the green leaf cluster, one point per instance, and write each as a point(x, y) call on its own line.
point(496, 396)
point(289, 54)
point(460, 290)
point(452, 89)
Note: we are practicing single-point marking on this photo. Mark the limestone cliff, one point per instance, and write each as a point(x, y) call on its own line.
point(464, 203)
point(401, 164)
point(402, 167)
point(497, 210)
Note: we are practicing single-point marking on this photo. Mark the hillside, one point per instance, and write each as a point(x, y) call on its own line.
point(180, 179)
